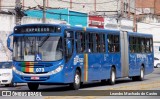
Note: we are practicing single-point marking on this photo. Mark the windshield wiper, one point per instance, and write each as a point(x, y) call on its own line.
point(43, 41)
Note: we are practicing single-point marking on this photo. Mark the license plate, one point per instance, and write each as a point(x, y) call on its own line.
point(34, 78)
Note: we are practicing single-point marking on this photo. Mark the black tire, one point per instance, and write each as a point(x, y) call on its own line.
point(112, 79)
point(7, 85)
point(134, 78)
point(140, 77)
point(77, 81)
point(33, 86)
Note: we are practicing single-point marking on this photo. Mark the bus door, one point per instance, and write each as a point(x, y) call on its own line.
point(69, 47)
point(124, 54)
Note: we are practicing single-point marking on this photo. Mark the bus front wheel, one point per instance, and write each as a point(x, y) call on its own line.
point(33, 86)
point(77, 81)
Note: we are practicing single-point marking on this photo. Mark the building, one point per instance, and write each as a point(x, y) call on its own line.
point(65, 15)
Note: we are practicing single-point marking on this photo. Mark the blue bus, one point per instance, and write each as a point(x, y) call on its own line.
point(62, 54)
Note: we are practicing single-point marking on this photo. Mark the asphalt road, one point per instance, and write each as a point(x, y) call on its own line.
point(151, 82)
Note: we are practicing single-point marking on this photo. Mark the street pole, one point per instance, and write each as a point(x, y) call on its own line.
point(95, 3)
point(129, 13)
point(0, 4)
point(135, 19)
point(120, 15)
point(70, 4)
point(18, 17)
point(44, 11)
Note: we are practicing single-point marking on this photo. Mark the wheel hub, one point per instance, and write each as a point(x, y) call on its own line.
point(77, 79)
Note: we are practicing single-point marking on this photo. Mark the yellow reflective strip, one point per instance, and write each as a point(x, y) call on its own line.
point(31, 69)
point(84, 29)
point(85, 67)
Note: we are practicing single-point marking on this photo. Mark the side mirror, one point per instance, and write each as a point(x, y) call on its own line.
point(9, 43)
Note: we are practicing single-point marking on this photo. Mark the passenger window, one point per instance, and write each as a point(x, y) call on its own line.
point(81, 42)
point(102, 45)
point(151, 45)
point(113, 43)
point(147, 45)
point(143, 45)
point(140, 45)
point(98, 42)
point(90, 42)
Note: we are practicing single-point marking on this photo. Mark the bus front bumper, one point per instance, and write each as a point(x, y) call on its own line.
point(55, 76)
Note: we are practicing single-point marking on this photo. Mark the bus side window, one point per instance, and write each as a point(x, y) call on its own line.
point(143, 45)
point(102, 43)
point(116, 43)
point(98, 42)
point(138, 45)
point(90, 42)
point(131, 44)
point(94, 43)
point(78, 42)
point(109, 39)
point(113, 43)
point(81, 42)
point(82, 35)
point(134, 45)
point(147, 45)
point(151, 45)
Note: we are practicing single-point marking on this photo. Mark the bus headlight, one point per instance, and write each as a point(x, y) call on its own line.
point(13, 68)
point(16, 71)
point(56, 70)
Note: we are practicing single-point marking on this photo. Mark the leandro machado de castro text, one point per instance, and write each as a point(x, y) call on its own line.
point(129, 93)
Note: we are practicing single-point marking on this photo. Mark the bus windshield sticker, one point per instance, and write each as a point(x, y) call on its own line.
point(38, 57)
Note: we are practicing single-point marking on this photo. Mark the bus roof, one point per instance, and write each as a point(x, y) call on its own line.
point(91, 29)
point(139, 34)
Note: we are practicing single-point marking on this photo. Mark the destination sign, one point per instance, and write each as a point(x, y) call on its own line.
point(37, 29)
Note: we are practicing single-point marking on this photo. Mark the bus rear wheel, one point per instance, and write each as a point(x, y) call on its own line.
point(112, 79)
point(140, 77)
point(77, 81)
point(33, 86)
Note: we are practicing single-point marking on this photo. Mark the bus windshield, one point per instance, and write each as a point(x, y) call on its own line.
point(45, 48)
